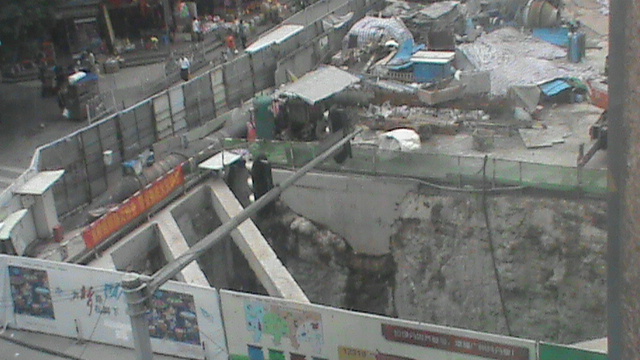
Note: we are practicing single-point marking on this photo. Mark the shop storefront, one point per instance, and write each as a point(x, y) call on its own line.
point(78, 27)
point(108, 26)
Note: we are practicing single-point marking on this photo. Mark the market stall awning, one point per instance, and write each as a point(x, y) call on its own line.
point(319, 84)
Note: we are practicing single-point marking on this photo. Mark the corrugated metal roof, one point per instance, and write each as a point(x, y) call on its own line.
point(554, 87)
point(319, 84)
point(40, 183)
point(275, 36)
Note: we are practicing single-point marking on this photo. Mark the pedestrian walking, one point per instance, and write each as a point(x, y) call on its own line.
point(42, 76)
point(196, 29)
point(93, 63)
point(60, 77)
point(242, 33)
point(231, 44)
point(154, 42)
point(185, 65)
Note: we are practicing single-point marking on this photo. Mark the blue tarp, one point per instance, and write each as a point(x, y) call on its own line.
point(554, 87)
point(402, 60)
point(556, 36)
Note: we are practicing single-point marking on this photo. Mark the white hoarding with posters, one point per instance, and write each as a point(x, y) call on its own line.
point(268, 328)
point(78, 301)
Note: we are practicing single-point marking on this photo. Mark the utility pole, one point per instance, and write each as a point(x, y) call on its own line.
point(623, 249)
point(138, 293)
point(137, 310)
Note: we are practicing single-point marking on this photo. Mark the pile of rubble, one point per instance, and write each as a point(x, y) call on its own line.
point(514, 59)
point(417, 65)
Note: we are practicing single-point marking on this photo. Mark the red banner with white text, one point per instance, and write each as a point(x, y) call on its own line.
point(133, 207)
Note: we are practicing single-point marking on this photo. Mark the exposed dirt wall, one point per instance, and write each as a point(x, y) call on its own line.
point(549, 255)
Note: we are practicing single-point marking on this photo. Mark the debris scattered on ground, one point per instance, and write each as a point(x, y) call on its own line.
point(422, 19)
point(426, 121)
point(545, 137)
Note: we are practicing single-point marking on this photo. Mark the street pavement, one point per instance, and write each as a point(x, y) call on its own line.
point(27, 120)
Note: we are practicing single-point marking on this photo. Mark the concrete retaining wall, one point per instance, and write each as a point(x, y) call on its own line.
point(361, 209)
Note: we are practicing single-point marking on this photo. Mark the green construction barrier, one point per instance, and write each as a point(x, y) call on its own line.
point(435, 167)
point(559, 352)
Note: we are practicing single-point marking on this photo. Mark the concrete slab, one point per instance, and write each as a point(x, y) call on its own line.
point(269, 270)
point(599, 345)
point(273, 276)
point(174, 244)
point(40, 183)
point(537, 138)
